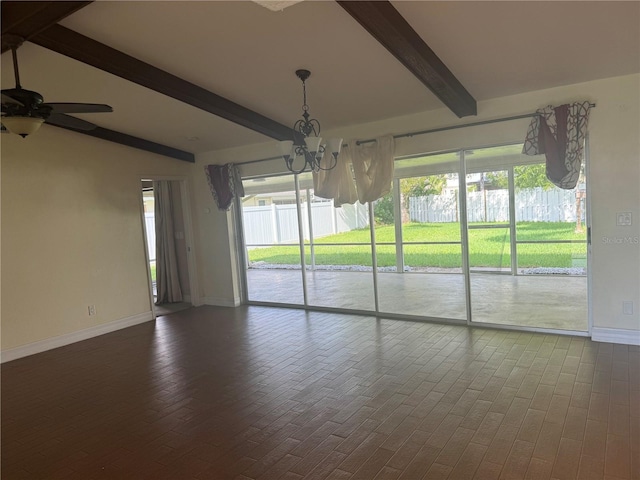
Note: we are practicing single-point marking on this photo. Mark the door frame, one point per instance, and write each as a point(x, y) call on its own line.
point(513, 242)
point(185, 196)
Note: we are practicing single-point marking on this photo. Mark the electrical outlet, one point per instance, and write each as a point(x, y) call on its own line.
point(623, 219)
point(627, 308)
point(92, 310)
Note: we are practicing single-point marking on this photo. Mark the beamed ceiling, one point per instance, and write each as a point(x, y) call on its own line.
point(187, 77)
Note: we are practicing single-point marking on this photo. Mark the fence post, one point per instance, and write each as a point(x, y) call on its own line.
point(310, 222)
point(275, 224)
point(334, 220)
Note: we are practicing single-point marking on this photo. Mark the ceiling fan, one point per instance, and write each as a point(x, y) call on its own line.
point(24, 111)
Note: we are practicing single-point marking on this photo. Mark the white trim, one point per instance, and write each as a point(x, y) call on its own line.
point(220, 302)
point(145, 239)
point(77, 336)
point(615, 335)
point(194, 288)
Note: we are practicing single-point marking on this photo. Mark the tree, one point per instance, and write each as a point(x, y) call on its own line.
point(533, 176)
point(419, 187)
point(422, 186)
point(409, 187)
point(383, 210)
point(526, 176)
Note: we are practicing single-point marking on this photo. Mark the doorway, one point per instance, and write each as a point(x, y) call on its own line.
point(167, 236)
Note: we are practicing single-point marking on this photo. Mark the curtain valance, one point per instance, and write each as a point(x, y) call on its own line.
point(559, 133)
point(224, 182)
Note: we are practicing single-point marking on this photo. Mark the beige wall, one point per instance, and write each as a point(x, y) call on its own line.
point(214, 242)
point(614, 187)
point(72, 233)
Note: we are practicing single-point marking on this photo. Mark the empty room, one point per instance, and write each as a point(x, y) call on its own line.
point(320, 240)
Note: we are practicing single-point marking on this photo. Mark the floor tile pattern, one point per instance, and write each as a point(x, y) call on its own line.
point(268, 393)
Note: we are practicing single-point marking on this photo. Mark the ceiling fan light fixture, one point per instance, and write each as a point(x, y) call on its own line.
point(24, 110)
point(22, 126)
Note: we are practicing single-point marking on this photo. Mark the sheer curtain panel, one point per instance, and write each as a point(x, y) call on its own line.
point(167, 276)
point(373, 168)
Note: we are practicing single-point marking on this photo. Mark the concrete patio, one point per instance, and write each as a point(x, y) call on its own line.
point(554, 302)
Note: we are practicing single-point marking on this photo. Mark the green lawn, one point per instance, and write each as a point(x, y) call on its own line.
point(488, 247)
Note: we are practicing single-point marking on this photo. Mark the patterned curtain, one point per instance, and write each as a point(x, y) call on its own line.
point(224, 182)
point(559, 133)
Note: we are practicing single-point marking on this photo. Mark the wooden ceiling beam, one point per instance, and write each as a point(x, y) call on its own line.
point(84, 49)
point(135, 142)
point(388, 27)
point(25, 19)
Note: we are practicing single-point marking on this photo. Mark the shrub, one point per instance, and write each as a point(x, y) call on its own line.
point(383, 210)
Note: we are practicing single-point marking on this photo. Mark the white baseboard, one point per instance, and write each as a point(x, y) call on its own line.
point(220, 302)
point(68, 338)
point(615, 335)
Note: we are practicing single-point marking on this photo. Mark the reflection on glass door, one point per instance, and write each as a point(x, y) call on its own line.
point(527, 243)
point(270, 224)
point(418, 243)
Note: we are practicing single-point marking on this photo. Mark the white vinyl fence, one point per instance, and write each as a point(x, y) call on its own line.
point(272, 224)
point(532, 205)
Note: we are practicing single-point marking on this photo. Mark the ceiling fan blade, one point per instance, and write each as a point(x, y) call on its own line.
point(8, 99)
point(63, 120)
point(79, 107)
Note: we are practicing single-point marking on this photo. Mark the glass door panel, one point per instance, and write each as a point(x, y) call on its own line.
point(489, 229)
point(489, 238)
point(551, 234)
point(426, 278)
point(489, 248)
point(337, 243)
point(270, 228)
point(527, 243)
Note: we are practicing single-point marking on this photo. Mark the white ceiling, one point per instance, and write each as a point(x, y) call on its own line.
point(248, 54)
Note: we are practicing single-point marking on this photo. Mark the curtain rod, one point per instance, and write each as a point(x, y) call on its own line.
point(423, 132)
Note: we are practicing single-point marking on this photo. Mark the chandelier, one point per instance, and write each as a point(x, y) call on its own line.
point(310, 155)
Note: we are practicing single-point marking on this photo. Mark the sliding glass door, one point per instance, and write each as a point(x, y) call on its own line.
point(474, 236)
point(527, 243)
